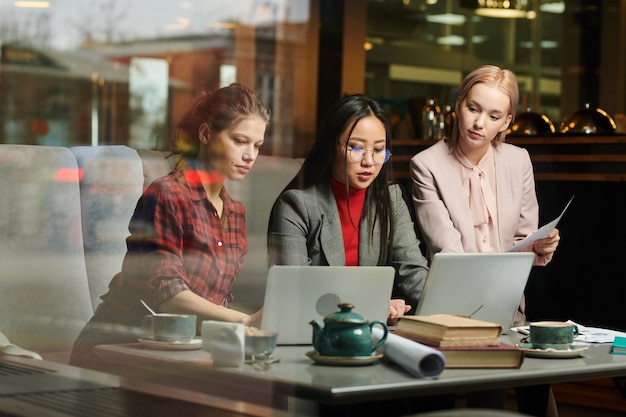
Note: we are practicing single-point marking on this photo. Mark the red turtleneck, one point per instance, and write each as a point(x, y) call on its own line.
point(350, 215)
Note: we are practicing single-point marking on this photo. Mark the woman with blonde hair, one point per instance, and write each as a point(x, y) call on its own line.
point(476, 193)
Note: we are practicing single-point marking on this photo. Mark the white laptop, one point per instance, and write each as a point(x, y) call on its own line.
point(485, 286)
point(295, 295)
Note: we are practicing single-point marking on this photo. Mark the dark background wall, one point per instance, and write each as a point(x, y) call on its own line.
point(585, 281)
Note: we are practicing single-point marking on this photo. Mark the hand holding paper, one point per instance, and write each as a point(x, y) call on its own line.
point(543, 231)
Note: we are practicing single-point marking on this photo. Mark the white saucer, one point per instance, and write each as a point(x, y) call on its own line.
point(344, 360)
point(573, 352)
point(158, 345)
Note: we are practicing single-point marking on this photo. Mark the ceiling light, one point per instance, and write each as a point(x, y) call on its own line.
point(453, 40)
point(498, 8)
point(544, 44)
point(479, 39)
point(446, 19)
point(549, 44)
point(557, 7)
point(501, 13)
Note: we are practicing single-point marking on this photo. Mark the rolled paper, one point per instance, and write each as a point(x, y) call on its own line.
point(418, 359)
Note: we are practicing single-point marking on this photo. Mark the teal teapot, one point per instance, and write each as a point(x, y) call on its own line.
point(346, 333)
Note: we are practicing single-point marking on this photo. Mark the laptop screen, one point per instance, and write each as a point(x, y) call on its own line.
point(295, 295)
point(485, 286)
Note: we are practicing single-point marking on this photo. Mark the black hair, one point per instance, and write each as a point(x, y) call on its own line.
point(318, 165)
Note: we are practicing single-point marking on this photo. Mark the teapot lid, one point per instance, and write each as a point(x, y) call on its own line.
point(345, 315)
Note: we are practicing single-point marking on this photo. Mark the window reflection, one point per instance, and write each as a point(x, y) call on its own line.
point(66, 64)
point(148, 102)
point(82, 73)
point(421, 49)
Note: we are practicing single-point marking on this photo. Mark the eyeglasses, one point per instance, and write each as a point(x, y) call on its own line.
point(379, 155)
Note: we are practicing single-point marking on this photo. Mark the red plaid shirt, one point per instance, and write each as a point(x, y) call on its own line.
point(179, 243)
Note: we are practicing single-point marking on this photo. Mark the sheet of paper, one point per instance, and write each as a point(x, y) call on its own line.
point(595, 334)
point(543, 231)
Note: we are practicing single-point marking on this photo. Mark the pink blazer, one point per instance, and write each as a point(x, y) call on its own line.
point(442, 209)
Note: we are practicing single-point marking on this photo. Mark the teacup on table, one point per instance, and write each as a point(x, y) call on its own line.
point(164, 327)
point(260, 344)
point(552, 334)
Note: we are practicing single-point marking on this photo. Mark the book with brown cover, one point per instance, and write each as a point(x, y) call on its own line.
point(501, 356)
point(447, 330)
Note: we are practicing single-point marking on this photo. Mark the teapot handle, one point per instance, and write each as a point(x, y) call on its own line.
point(384, 336)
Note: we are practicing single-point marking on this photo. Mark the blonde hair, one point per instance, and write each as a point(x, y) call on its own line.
point(490, 75)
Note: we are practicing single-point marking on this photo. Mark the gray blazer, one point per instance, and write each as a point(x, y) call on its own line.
point(306, 230)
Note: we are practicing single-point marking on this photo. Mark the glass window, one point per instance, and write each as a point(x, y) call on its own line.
point(102, 72)
point(422, 49)
point(121, 72)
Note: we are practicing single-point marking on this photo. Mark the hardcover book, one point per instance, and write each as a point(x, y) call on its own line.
point(501, 356)
point(619, 346)
point(447, 330)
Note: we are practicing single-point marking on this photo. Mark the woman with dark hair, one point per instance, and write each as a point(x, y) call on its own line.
point(187, 240)
point(344, 208)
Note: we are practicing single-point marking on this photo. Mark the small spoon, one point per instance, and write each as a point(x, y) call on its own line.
point(149, 309)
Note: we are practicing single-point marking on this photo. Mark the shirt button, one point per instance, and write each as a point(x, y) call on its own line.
point(484, 240)
point(220, 243)
point(221, 272)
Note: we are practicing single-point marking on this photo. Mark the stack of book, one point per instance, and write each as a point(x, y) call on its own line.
point(464, 342)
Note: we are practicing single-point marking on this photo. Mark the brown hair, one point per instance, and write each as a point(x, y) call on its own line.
point(490, 75)
point(219, 110)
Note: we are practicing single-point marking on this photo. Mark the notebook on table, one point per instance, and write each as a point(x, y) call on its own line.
point(295, 295)
point(485, 286)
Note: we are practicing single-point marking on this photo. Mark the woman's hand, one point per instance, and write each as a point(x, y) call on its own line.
point(397, 309)
point(188, 302)
point(254, 320)
point(548, 245)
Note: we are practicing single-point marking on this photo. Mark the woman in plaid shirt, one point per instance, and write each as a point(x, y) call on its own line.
point(188, 236)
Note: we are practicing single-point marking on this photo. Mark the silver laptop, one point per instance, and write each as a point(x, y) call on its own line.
point(295, 295)
point(485, 286)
